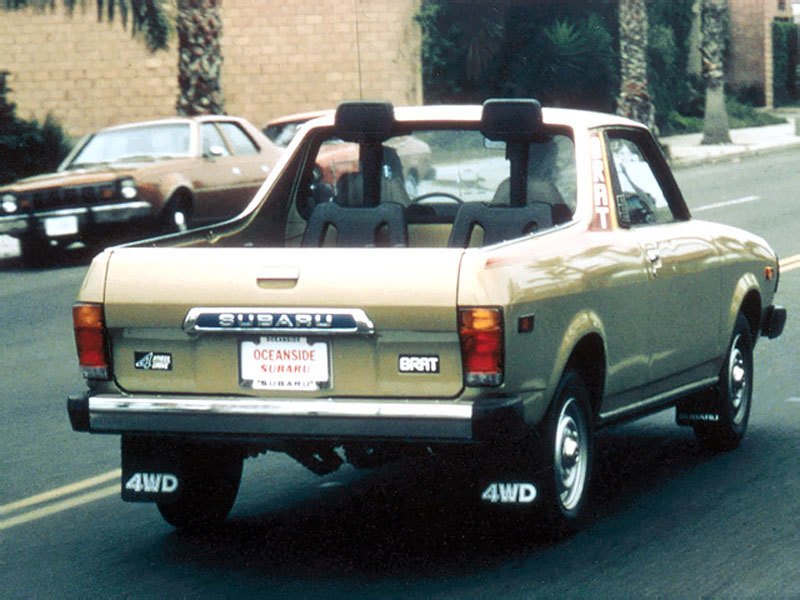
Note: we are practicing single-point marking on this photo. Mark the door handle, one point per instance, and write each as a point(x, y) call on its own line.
point(277, 277)
point(653, 255)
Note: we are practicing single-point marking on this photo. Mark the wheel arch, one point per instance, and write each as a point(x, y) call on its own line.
point(181, 195)
point(588, 358)
point(746, 299)
point(751, 308)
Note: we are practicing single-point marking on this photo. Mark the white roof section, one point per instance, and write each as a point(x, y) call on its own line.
point(459, 113)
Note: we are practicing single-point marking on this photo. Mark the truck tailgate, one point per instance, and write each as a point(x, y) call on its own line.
point(270, 321)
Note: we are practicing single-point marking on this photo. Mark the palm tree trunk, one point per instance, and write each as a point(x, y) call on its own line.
point(715, 121)
point(634, 100)
point(199, 25)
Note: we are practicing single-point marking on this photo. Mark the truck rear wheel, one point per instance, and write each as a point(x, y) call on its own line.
point(735, 391)
point(209, 481)
point(568, 454)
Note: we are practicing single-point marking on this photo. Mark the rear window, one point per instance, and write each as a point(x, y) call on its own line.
point(431, 174)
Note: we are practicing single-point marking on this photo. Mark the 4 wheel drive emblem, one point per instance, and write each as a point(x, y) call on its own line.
point(278, 320)
point(509, 493)
point(152, 361)
point(152, 483)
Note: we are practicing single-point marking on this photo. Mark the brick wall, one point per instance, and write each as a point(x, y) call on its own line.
point(750, 61)
point(279, 57)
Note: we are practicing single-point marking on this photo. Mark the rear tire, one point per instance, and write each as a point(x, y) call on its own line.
point(209, 481)
point(568, 453)
point(734, 394)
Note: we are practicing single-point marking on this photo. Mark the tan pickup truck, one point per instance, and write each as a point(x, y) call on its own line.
point(545, 281)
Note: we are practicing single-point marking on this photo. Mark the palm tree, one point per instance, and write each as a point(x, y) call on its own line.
point(199, 27)
point(634, 99)
point(715, 121)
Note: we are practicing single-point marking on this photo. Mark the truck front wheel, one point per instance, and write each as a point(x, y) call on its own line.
point(733, 395)
point(209, 481)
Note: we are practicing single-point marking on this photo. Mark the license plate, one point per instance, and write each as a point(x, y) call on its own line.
point(55, 226)
point(284, 363)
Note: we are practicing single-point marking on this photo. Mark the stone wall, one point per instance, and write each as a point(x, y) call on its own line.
point(279, 57)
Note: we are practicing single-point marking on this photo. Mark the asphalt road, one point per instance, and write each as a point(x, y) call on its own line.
point(672, 521)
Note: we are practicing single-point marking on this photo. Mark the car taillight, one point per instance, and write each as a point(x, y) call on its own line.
point(481, 333)
point(90, 340)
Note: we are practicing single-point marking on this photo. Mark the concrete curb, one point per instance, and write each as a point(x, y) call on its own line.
point(721, 154)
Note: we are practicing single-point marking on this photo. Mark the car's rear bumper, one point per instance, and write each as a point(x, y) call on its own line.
point(100, 214)
point(410, 420)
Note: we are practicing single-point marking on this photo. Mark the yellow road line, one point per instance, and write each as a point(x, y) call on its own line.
point(62, 491)
point(790, 263)
point(50, 509)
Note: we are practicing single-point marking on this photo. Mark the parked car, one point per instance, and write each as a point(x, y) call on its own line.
point(548, 282)
point(154, 176)
point(337, 157)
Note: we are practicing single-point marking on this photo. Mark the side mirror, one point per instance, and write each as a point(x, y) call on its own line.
point(214, 151)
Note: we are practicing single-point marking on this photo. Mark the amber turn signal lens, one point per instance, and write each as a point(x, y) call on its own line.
point(90, 340)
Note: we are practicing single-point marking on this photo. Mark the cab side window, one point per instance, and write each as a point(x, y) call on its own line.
point(212, 138)
point(640, 197)
point(240, 142)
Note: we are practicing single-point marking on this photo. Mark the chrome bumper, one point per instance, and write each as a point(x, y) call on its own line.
point(13, 225)
point(292, 418)
point(773, 322)
point(101, 213)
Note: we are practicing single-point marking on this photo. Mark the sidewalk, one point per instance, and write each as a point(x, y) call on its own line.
point(686, 150)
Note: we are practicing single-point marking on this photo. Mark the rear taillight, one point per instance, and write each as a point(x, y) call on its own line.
point(91, 340)
point(481, 334)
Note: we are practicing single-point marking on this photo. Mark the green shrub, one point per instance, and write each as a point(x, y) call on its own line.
point(27, 147)
point(563, 55)
point(739, 115)
point(784, 48)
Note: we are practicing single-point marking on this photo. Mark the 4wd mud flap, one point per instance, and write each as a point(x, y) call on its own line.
point(509, 475)
point(150, 470)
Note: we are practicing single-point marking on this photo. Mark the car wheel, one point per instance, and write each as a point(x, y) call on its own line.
point(734, 393)
point(209, 481)
point(35, 251)
point(568, 453)
point(176, 216)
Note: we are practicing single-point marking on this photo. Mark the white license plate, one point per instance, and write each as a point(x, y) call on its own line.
point(284, 363)
point(55, 226)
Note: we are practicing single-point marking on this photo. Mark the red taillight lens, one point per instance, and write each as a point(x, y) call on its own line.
point(481, 334)
point(90, 340)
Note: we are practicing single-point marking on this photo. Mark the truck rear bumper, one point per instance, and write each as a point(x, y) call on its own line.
point(292, 418)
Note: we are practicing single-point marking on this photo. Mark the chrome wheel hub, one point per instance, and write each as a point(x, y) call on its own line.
point(571, 454)
point(738, 381)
